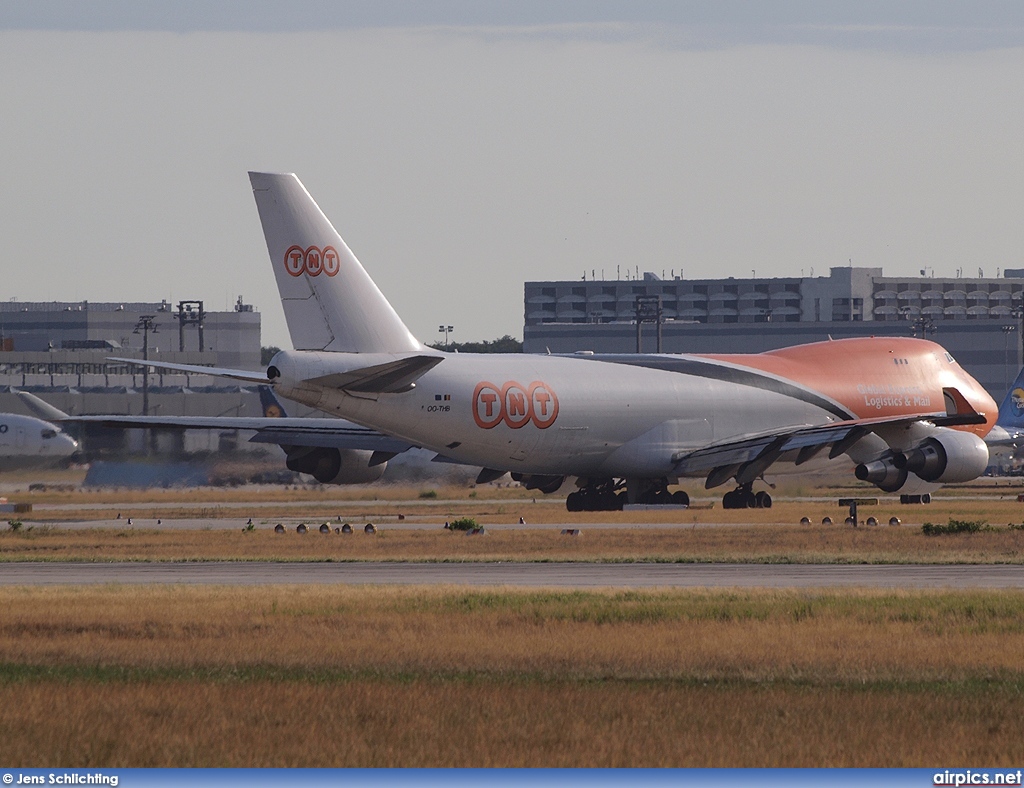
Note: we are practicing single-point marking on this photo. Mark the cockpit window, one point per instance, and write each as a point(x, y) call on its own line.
point(950, 359)
point(48, 433)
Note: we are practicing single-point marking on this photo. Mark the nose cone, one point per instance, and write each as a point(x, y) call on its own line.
point(983, 403)
point(64, 445)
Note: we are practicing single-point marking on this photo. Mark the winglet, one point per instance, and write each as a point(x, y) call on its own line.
point(41, 408)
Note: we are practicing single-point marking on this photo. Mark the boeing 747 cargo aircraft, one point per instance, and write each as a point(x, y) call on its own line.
point(622, 428)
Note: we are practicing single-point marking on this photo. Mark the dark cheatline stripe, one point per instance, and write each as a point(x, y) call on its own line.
point(743, 377)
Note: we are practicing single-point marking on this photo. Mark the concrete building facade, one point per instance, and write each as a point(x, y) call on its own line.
point(977, 320)
point(59, 351)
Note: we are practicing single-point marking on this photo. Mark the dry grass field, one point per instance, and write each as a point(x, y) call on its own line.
point(383, 676)
point(762, 544)
point(993, 501)
point(329, 676)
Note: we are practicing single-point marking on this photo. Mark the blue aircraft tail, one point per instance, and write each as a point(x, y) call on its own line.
point(1011, 412)
point(272, 408)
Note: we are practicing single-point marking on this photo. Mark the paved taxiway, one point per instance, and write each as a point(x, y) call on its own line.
point(572, 575)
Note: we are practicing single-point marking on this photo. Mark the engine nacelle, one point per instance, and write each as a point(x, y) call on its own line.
point(335, 466)
point(947, 457)
point(883, 473)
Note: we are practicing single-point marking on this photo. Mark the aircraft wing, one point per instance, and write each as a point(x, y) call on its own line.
point(288, 431)
point(758, 452)
point(750, 456)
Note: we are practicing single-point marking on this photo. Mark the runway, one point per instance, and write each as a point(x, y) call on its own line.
point(524, 575)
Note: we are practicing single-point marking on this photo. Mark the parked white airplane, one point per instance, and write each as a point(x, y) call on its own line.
point(27, 442)
point(624, 426)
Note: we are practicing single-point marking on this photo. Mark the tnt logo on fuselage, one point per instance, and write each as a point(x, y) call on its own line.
point(312, 261)
point(514, 404)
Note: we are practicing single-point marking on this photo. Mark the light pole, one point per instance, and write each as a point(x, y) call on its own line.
point(922, 326)
point(1007, 330)
point(445, 330)
point(145, 325)
point(1017, 311)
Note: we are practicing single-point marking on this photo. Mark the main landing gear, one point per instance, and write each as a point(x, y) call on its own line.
point(743, 497)
point(608, 495)
point(598, 496)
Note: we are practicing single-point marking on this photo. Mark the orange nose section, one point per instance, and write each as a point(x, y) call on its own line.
point(982, 403)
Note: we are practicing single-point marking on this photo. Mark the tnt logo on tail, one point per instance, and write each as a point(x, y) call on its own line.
point(312, 261)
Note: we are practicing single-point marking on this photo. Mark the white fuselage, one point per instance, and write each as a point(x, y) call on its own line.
point(575, 415)
point(26, 441)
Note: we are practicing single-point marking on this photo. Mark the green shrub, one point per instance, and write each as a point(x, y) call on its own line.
point(954, 527)
point(14, 525)
point(428, 494)
point(463, 524)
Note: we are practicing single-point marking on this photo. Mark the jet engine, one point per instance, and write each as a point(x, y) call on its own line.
point(334, 466)
point(947, 457)
point(883, 473)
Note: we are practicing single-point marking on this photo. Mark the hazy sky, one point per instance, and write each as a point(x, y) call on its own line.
point(461, 148)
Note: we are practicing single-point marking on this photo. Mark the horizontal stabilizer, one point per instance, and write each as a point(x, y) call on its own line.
point(195, 369)
point(390, 378)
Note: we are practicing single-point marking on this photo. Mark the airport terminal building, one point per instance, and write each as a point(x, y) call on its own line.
point(59, 351)
point(977, 320)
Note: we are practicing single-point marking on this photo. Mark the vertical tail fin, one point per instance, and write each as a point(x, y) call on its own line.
point(272, 407)
point(329, 300)
point(1011, 411)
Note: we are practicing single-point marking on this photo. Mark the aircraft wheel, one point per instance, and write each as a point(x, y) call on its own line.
point(763, 500)
point(573, 502)
point(729, 500)
point(749, 499)
point(680, 498)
